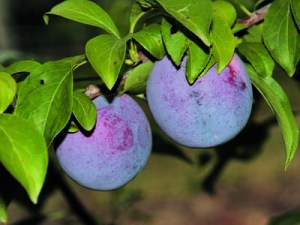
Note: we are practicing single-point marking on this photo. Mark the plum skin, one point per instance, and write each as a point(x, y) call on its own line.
point(208, 113)
point(114, 152)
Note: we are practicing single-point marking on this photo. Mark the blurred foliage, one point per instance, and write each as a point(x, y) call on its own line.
point(290, 218)
point(61, 38)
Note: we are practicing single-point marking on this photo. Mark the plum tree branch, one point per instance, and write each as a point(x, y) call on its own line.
point(255, 17)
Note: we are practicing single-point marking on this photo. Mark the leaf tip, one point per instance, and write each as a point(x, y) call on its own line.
point(46, 18)
point(287, 163)
point(34, 199)
point(34, 192)
point(290, 154)
point(110, 84)
point(207, 41)
point(3, 218)
point(220, 68)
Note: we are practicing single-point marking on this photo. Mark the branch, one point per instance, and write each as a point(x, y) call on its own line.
point(255, 17)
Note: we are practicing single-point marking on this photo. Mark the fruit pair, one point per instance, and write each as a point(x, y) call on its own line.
point(208, 113)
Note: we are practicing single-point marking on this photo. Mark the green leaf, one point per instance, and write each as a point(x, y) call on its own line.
point(78, 61)
point(237, 27)
point(259, 57)
point(137, 78)
point(86, 12)
point(211, 62)
point(196, 16)
point(8, 89)
point(254, 33)
point(84, 110)
point(196, 61)
point(226, 10)
point(170, 40)
point(3, 214)
point(138, 14)
point(106, 53)
point(22, 66)
point(73, 128)
point(23, 152)
point(46, 97)
point(279, 103)
point(281, 35)
point(296, 11)
point(223, 42)
point(150, 38)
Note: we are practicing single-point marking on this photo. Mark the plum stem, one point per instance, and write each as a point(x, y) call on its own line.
point(92, 91)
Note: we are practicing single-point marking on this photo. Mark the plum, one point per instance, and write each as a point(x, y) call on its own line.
point(114, 152)
point(208, 113)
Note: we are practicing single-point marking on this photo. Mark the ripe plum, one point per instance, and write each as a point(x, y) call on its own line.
point(208, 113)
point(114, 152)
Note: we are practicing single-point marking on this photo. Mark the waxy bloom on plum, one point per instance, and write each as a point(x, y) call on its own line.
point(114, 152)
point(208, 113)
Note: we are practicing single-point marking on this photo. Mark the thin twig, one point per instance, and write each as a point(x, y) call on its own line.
point(74, 202)
point(255, 17)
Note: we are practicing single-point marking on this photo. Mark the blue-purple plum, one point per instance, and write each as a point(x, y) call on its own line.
point(114, 152)
point(210, 112)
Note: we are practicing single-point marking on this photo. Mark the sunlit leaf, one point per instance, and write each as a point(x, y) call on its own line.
point(170, 40)
point(196, 61)
point(254, 34)
point(196, 16)
point(223, 42)
point(22, 66)
point(138, 14)
point(279, 103)
point(84, 11)
point(106, 53)
point(8, 88)
point(84, 110)
point(23, 152)
point(237, 27)
point(225, 10)
point(281, 35)
point(137, 78)
point(296, 11)
point(150, 38)
point(211, 62)
point(46, 97)
point(259, 57)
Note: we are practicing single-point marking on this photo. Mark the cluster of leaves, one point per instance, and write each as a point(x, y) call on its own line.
point(37, 107)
